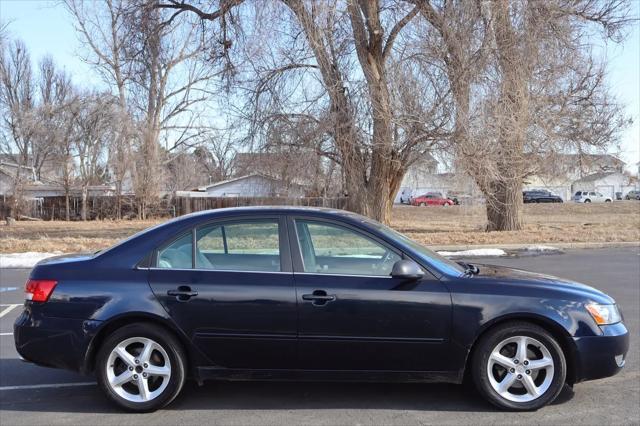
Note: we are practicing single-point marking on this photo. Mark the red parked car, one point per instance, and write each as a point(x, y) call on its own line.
point(431, 199)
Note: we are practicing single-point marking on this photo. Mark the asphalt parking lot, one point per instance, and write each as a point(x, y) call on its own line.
point(33, 395)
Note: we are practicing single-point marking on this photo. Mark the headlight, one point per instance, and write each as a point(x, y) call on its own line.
point(604, 314)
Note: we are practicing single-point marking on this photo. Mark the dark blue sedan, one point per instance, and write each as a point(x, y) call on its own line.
point(278, 293)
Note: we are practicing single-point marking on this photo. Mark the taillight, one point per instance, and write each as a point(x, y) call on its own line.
point(39, 290)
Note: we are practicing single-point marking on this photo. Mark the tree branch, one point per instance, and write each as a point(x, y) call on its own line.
point(388, 46)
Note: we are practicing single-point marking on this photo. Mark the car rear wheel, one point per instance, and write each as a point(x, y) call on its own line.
point(607, 201)
point(141, 367)
point(519, 366)
point(422, 204)
point(587, 200)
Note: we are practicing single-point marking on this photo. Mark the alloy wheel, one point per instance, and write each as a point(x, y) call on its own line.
point(520, 369)
point(138, 369)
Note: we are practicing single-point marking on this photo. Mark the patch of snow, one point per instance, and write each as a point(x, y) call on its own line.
point(23, 260)
point(542, 248)
point(474, 252)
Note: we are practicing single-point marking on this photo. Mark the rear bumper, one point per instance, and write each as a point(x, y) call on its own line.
point(53, 342)
point(602, 356)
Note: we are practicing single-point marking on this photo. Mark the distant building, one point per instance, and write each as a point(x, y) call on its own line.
point(607, 184)
point(301, 167)
point(253, 185)
point(8, 172)
point(50, 169)
point(558, 172)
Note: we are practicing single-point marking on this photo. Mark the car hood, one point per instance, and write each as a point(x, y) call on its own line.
point(536, 280)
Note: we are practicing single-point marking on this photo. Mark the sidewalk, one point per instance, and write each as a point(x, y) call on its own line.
point(525, 246)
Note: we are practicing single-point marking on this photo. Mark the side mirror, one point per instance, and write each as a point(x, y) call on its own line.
point(407, 269)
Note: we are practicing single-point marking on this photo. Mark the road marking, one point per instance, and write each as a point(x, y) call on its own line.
point(46, 386)
point(7, 310)
point(6, 334)
point(3, 289)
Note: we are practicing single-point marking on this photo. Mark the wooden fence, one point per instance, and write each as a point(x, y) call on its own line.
point(185, 205)
point(104, 207)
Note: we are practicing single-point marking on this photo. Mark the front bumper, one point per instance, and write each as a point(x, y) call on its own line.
point(602, 356)
point(51, 341)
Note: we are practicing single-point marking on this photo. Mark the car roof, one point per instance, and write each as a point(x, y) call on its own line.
point(274, 210)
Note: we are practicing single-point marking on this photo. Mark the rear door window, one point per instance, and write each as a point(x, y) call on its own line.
point(177, 254)
point(239, 246)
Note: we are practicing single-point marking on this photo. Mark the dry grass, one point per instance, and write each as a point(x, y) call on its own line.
point(544, 223)
point(49, 236)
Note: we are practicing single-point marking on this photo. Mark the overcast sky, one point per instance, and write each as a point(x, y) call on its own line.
point(46, 28)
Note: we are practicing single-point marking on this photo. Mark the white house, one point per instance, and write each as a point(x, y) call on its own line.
point(607, 184)
point(253, 185)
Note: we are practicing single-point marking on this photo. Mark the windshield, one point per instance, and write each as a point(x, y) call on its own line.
point(439, 262)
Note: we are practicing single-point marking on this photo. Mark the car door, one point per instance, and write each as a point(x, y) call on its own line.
point(352, 314)
point(229, 286)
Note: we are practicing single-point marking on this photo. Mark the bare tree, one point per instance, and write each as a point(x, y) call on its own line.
point(350, 50)
point(154, 64)
point(93, 130)
point(56, 114)
point(524, 85)
point(17, 102)
point(216, 153)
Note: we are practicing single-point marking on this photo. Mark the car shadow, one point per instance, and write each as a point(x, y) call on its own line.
point(262, 396)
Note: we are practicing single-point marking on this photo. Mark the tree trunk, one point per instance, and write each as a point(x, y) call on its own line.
point(505, 206)
point(67, 212)
point(84, 203)
point(118, 207)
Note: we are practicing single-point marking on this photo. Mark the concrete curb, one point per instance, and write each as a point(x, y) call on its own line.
point(594, 245)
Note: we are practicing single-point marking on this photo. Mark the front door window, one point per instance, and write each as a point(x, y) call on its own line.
point(332, 249)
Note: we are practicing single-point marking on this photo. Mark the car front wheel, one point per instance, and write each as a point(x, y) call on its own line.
point(519, 366)
point(141, 367)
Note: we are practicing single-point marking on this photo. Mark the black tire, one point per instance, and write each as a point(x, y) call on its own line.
point(491, 339)
point(607, 201)
point(173, 349)
point(587, 200)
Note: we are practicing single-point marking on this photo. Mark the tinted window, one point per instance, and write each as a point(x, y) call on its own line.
point(178, 254)
point(333, 249)
point(239, 246)
point(592, 193)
